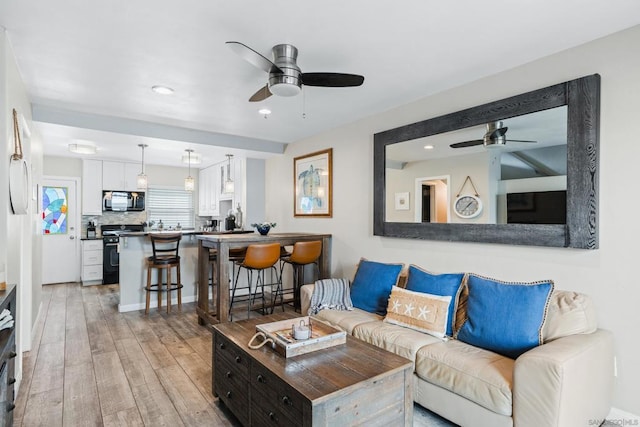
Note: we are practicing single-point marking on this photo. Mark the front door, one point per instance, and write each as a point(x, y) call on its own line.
point(59, 217)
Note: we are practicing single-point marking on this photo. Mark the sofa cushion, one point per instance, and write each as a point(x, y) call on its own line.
point(569, 313)
point(449, 284)
point(346, 320)
point(505, 317)
point(372, 285)
point(481, 376)
point(396, 339)
point(418, 310)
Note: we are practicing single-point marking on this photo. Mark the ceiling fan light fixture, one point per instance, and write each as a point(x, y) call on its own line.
point(285, 89)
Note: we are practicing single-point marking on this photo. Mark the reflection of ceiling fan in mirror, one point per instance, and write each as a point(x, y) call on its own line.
point(495, 137)
point(285, 77)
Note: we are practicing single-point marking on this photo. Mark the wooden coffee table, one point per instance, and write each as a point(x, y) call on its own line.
point(349, 384)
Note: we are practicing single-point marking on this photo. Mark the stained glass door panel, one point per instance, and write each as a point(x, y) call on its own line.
point(55, 207)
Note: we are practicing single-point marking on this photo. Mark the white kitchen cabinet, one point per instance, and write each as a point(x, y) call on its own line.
point(120, 176)
point(131, 171)
point(91, 187)
point(207, 194)
point(91, 262)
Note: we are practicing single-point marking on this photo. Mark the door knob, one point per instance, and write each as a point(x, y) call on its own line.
point(72, 237)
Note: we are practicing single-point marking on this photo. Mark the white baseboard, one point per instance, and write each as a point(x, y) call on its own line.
point(153, 304)
point(33, 327)
point(621, 418)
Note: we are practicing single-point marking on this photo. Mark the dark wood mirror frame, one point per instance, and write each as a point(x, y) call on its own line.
point(582, 97)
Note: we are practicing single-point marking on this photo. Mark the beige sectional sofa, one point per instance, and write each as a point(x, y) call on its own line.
point(565, 382)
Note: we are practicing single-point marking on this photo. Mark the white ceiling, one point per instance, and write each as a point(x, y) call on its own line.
point(89, 66)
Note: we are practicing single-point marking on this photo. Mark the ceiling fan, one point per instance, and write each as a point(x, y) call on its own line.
point(285, 77)
point(495, 137)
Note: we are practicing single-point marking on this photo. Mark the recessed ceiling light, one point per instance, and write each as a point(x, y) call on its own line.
point(428, 147)
point(264, 111)
point(83, 148)
point(162, 90)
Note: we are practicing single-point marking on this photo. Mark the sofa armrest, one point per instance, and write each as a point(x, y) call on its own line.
point(568, 381)
point(305, 298)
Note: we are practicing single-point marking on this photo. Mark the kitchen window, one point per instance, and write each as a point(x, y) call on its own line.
point(172, 206)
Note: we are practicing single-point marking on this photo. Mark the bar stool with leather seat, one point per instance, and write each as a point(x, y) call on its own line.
point(259, 258)
point(165, 257)
point(304, 253)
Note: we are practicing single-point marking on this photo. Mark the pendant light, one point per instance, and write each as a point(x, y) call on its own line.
point(189, 183)
point(142, 178)
point(229, 187)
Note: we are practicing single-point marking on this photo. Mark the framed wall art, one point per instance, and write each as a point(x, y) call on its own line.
point(312, 180)
point(402, 201)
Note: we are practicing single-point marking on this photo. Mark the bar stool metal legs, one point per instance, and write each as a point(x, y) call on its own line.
point(304, 253)
point(259, 258)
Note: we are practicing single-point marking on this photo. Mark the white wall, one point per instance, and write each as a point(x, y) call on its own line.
point(607, 274)
point(20, 253)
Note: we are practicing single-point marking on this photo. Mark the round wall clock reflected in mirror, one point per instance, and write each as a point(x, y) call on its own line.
point(467, 206)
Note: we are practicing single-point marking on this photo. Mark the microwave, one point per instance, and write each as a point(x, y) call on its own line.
point(122, 201)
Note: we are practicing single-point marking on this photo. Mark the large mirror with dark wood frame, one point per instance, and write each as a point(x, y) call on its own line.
point(522, 170)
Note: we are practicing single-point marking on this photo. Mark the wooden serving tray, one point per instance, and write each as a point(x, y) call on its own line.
point(322, 336)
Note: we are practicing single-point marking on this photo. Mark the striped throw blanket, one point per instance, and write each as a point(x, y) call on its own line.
point(330, 293)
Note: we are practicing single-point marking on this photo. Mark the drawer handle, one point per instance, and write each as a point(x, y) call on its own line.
point(272, 416)
point(238, 359)
point(11, 407)
point(228, 374)
point(286, 400)
point(229, 394)
point(222, 346)
point(11, 381)
point(12, 354)
point(261, 379)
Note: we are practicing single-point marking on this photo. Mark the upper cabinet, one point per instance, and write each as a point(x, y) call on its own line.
point(207, 192)
point(120, 176)
point(91, 187)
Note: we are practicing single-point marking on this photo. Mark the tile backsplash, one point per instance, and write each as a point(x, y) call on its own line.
point(108, 218)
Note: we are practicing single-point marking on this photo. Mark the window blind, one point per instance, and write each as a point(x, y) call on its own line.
point(172, 206)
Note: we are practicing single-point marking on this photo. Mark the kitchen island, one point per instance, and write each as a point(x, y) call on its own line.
point(222, 243)
point(134, 249)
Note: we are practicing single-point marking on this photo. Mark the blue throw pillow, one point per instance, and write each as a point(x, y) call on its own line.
point(506, 318)
point(445, 285)
point(372, 285)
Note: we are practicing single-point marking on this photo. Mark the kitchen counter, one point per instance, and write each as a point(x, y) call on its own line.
point(184, 232)
point(91, 238)
point(135, 248)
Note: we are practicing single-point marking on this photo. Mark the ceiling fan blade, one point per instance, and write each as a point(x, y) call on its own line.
point(520, 140)
point(467, 143)
point(262, 94)
point(331, 79)
point(253, 57)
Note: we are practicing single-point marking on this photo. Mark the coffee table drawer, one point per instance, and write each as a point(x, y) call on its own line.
point(264, 414)
point(226, 373)
point(235, 396)
point(228, 351)
point(276, 394)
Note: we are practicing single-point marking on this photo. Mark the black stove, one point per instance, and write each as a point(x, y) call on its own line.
point(111, 253)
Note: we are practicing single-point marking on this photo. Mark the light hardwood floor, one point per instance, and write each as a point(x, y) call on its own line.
point(93, 366)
